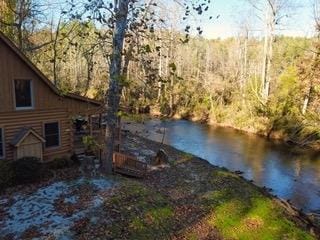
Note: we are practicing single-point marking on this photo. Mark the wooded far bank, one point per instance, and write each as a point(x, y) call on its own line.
point(267, 85)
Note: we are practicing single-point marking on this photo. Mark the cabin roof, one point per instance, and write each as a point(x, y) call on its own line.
point(22, 134)
point(23, 57)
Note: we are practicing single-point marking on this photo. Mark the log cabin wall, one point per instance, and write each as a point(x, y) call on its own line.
point(13, 122)
point(48, 105)
point(13, 67)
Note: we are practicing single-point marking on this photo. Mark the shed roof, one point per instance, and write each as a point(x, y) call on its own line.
point(22, 134)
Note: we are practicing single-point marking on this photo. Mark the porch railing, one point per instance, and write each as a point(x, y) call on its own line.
point(128, 165)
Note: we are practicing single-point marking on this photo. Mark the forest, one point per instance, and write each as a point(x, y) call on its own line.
point(266, 83)
point(160, 119)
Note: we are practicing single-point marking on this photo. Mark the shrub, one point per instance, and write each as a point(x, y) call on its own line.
point(90, 144)
point(60, 163)
point(75, 160)
point(27, 169)
point(7, 174)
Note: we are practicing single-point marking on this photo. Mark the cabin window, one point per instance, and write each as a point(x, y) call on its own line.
point(52, 134)
point(23, 93)
point(1, 144)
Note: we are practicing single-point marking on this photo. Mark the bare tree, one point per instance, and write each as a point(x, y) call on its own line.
point(312, 73)
point(122, 17)
point(316, 13)
point(272, 13)
point(114, 93)
point(244, 34)
point(23, 20)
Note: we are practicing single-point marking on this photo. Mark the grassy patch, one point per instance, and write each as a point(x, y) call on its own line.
point(192, 201)
point(258, 220)
point(240, 211)
point(185, 157)
point(145, 214)
point(138, 118)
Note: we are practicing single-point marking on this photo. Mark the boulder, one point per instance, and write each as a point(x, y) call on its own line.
point(161, 157)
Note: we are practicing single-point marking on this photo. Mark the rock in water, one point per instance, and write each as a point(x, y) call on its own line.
point(161, 157)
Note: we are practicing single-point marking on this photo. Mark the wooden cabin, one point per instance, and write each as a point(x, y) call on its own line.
point(35, 119)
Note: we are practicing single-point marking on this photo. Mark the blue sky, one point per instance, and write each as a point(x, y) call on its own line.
point(299, 23)
point(231, 12)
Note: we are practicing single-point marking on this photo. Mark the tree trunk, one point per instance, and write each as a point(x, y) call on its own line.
point(90, 66)
point(171, 97)
point(160, 70)
point(125, 69)
point(55, 54)
point(171, 86)
point(264, 64)
point(306, 100)
point(115, 85)
point(268, 52)
point(308, 95)
point(21, 13)
point(245, 68)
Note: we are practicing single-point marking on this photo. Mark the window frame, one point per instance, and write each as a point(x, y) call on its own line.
point(3, 143)
point(31, 93)
point(59, 134)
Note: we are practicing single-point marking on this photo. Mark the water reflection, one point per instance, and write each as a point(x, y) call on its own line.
point(291, 175)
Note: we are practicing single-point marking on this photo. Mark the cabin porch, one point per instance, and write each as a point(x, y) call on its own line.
point(93, 129)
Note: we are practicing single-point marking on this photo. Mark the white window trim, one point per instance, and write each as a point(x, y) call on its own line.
point(3, 144)
point(59, 134)
point(32, 97)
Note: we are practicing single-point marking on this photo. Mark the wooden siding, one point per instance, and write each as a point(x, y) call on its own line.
point(14, 121)
point(14, 67)
point(77, 107)
point(48, 104)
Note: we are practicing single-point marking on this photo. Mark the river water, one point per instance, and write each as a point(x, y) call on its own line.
point(291, 175)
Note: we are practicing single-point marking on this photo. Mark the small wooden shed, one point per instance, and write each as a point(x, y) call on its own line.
point(28, 143)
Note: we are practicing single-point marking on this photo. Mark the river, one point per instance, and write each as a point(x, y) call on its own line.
point(290, 174)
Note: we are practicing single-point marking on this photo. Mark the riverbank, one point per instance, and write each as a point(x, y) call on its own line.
point(261, 160)
point(267, 129)
point(260, 127)
point(187, 198)
point(190, 199)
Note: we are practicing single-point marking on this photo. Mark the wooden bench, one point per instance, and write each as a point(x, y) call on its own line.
point(128, 165)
